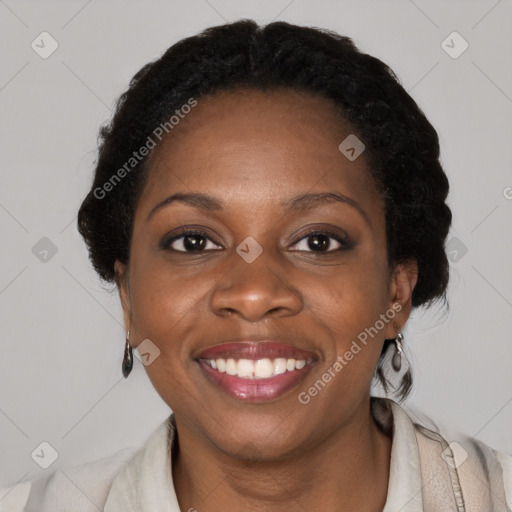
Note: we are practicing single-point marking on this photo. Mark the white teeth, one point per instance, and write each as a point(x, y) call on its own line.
point(279, 365)
point(256, 369)
point(231, 367)
point(245, 368)
point(263, 368)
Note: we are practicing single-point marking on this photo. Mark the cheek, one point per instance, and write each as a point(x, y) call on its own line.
point(170, 307)
point(164, 305)
point(348, 318)
point(165, 312)
point(352, 354)
point(348, 305)
point(352, 297)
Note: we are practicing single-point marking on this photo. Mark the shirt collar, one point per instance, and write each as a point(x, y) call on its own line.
point(145, 482)
point(405, 484)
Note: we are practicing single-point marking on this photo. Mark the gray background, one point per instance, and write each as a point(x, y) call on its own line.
point(61, 331)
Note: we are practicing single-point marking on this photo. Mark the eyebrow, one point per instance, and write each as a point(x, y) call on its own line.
point(303, 202)
point(201, 201)
point(306, 202)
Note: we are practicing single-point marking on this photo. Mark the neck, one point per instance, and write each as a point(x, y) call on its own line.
point(350, 469)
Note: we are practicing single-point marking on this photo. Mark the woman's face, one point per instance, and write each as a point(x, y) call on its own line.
point(256, 273)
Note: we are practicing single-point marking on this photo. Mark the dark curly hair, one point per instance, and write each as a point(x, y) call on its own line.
point(402, 147)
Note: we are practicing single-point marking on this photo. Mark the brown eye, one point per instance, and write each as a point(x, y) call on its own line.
point(322, 241)
point(190, 241)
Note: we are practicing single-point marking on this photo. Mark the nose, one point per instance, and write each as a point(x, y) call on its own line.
point(255, 291)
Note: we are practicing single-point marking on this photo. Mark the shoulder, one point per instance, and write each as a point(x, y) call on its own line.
point(14, 499)
point(453, 466)
point(478, 473)
point(505, 461)
point(83, 487)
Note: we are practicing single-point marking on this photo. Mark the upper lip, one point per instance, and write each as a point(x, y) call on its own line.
point(255, 349)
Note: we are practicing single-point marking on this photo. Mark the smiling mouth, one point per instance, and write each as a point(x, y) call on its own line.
point(255, 371)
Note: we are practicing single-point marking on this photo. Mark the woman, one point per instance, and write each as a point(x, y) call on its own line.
point(270, 204)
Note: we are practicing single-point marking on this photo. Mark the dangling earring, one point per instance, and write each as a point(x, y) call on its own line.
point(128, 356)
point(397, 357)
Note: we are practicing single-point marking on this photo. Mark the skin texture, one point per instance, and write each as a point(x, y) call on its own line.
point(253, 150)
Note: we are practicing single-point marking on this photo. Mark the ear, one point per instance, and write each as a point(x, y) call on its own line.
point(402, 281)
point(123, 285)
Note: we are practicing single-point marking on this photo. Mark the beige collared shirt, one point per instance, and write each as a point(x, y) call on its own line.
point(428, 473)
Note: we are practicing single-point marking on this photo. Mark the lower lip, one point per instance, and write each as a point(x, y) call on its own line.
point(255, 390)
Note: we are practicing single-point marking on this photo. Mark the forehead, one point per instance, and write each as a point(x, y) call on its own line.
point(266, 145)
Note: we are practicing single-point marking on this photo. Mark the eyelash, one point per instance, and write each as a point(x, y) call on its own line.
point(345, 242)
